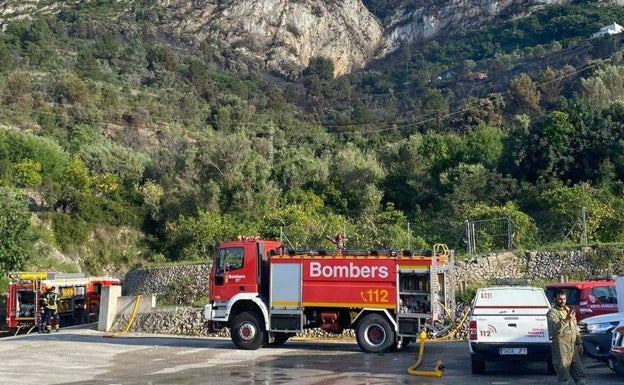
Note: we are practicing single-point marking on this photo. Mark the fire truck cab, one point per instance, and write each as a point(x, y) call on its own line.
point(266, 294)
point(79, 298)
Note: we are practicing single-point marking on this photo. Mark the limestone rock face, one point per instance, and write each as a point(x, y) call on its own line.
point(281, 36)
point(284, 34)
point(434, 18)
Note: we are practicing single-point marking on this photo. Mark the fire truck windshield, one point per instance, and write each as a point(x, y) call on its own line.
point(229, 258)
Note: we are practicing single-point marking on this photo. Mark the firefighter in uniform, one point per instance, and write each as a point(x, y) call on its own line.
point(43, 304)
point(338, 240)
point(51, 310)
point(566, 342)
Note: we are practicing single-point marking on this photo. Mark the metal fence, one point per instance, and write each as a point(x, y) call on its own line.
point(484, 235)
point(488, 234)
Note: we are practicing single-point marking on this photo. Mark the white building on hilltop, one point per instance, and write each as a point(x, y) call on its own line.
point(612, 29)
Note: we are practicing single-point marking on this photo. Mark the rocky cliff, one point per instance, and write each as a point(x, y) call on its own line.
point(282, 35)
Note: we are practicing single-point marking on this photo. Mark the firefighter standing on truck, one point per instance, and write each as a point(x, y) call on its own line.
point(51, 309)
point(566, 342)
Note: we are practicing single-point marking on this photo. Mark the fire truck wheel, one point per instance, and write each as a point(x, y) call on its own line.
point(247, 331)
point(374, 334)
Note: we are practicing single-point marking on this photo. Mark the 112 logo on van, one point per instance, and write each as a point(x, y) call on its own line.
point(491, 330)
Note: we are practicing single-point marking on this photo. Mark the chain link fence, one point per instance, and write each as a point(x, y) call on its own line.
point(486, 235)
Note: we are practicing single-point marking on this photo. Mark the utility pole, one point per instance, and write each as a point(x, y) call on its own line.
point(584, 224)
point(408, 237)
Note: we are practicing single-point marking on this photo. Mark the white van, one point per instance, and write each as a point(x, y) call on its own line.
point(509, 323)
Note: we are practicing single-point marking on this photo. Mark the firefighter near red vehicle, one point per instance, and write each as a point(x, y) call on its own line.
point(265, 294)
point(78, 298)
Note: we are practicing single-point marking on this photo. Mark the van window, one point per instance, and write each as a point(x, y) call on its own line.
point(573, 295)
point(503, 296)
point(605, 294)
point(510, 300)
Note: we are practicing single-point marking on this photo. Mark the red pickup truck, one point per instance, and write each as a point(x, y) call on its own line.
point(587, 298)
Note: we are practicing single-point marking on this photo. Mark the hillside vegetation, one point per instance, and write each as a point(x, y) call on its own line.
point(120, 145)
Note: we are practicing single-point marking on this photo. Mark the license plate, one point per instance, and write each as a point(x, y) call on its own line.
point(512, 351)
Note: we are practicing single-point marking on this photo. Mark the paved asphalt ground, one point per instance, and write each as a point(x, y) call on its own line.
point(84, 356)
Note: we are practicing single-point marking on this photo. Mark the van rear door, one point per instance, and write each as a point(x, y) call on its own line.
point(511, 314)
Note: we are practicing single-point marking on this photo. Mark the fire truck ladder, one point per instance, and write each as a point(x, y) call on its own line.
point(437, 328)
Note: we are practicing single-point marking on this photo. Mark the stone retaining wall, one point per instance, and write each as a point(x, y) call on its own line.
point(470, 273)
point(532, 265)
point(190, 281)
point(178, 320)
point(189, 322)
point(181, 284)
point(184, 284)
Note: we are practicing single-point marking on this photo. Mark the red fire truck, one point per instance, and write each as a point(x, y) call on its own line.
point(79, 298)
point(266, 294)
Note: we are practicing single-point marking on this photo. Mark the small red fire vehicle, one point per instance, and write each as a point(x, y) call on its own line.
point(79, 298)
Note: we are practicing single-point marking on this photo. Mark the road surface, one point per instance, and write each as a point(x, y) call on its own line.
point(82, 355)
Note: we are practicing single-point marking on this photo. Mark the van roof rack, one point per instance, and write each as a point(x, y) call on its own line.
point(510, 281)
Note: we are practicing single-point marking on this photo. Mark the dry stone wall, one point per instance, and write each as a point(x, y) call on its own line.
point(470, 273)
point(184, 280)
point(532, 265)
point(184, 321)
point(189, 321)
point(183, 284)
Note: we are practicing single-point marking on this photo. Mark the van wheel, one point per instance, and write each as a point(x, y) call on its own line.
point(374, 334)
point(550, 368)
point(478, 366)
point(247, 331)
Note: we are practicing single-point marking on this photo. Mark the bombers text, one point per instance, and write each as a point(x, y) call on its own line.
point(347, 271)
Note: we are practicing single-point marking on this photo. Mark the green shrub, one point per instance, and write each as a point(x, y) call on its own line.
point(15, 230)
point(27, 173)
point(68, 230)
point(465, 296)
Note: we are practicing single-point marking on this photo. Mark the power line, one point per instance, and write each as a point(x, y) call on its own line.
point(366, 127)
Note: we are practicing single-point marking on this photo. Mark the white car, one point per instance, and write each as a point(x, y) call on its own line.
point(616, 359)
point(597, 334)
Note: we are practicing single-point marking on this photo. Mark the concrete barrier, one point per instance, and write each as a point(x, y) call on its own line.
point(113, 304)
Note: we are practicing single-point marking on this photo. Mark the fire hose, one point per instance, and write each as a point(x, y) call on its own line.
point(439, 366)
point(137, 299)
point(134, 309)
point(458, 325)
